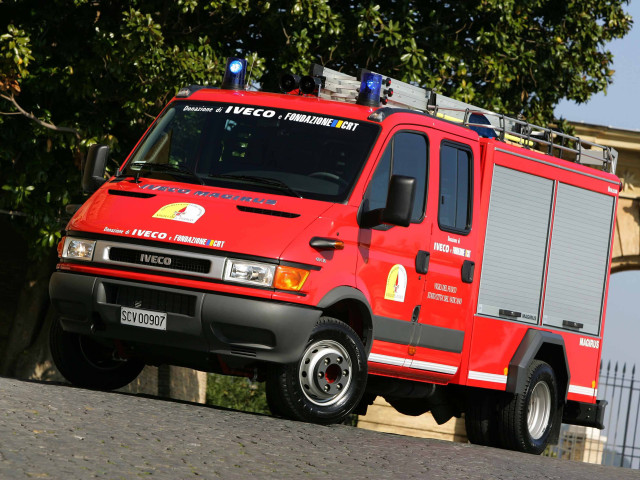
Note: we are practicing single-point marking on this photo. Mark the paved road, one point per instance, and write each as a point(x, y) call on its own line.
point(60, 432)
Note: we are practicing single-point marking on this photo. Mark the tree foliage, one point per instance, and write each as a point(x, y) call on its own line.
point(238, 393)
point(77, 72)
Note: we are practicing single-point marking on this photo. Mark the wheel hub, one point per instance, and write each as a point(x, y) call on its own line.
point(325, 372)
point(539, 410)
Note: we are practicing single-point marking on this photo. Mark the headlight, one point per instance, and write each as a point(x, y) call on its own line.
point(76, 249)
point(258, 274)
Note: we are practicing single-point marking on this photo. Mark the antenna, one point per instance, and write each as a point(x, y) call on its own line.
point(253, 60)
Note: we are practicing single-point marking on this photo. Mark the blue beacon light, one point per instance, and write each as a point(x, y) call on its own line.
point(370, 90)
point(234, 74)
point(235, 66)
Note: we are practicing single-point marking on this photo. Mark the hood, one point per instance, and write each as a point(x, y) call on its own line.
point(237, 221)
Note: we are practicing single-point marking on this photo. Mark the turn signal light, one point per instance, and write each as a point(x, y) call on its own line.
point(290, 278)
point(61, 246)
point(326, 243)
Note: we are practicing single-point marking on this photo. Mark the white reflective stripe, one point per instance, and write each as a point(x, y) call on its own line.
point(417, 364)
point(376, 357)
point(487, 377)
point(433, 367)
point(582, 390)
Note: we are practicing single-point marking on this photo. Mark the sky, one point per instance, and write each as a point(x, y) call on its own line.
point(622, 323)
point(620, 107)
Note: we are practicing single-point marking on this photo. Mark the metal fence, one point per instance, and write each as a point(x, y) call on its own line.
point(619, 443)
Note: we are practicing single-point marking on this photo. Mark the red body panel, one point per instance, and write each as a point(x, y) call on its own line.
point(221, 220)
point(478, 349)
point(495, 341)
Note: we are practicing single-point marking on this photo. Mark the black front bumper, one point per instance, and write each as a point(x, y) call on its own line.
point(200, 322)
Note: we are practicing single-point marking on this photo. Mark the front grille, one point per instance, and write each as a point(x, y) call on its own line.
point(150, 299)
point(178, 262)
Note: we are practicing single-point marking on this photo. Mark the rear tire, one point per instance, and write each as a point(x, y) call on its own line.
point(527, 418)
point(481, 419)
point(89, 364)
point(328, 381)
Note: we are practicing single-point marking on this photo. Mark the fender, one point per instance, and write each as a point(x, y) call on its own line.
point(544, 346)
point(354, 296)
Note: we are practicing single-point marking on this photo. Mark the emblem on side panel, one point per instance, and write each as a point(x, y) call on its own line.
point(182, 212)
point(396, 284)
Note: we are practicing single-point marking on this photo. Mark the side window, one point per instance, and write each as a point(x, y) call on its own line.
point(376, 196)
point(406, 155)
point(454, 212)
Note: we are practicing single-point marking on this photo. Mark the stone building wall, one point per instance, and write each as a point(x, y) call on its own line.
point(382, 417)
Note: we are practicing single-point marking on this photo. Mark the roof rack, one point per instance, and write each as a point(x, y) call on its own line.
point(342, 87)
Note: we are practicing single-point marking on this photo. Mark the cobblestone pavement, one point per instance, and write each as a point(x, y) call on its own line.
point(60, 432)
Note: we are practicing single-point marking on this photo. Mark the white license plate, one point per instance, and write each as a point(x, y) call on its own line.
point(143, 318)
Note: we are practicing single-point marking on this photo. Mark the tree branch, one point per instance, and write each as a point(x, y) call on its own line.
point(32, 117)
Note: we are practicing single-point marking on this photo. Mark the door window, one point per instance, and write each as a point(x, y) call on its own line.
point(406, 155)
point(456, 193)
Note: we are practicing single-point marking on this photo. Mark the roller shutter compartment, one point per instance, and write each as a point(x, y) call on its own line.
point(578, 259)
point(515, 245)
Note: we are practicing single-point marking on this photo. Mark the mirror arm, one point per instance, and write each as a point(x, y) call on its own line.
point(372, 218)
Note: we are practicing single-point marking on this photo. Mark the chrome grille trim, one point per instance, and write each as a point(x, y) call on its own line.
point(101, 255)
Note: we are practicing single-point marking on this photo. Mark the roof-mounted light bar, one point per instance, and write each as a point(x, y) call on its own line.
point(341, 87)
point(234, 74)
point(370, 86)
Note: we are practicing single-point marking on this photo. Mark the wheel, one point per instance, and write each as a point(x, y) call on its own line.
point(481, 419)
point(326, 384)
point(526, 418)
point(89, 364)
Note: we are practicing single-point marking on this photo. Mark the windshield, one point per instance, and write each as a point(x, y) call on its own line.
point(255, 148)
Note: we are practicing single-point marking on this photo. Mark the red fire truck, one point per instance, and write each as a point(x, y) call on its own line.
point(442, 256)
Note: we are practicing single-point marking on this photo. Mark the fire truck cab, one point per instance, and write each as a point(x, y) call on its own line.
point(436, 254)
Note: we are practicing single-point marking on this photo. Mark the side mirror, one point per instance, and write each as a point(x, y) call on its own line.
point(402, 191)
point(94, 167)
point(397, 210)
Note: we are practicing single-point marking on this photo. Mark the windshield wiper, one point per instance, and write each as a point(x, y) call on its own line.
point(272, 182)
point(169, 168)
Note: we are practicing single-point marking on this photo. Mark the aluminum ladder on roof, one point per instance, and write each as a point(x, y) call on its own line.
point(339, 86)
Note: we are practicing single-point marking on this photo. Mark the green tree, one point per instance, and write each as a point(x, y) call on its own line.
point(239, 393)
point(77, 72)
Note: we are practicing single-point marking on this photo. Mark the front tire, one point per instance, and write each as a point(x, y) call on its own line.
point(481, 419)
point(89, 364)
point(527, 418)
point(328, 381)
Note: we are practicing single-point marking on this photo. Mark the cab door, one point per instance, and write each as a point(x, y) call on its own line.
point(446, 303)
point(389, 270)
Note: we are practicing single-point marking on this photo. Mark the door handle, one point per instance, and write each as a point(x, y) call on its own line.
point(467, 271)
point(422, 261)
